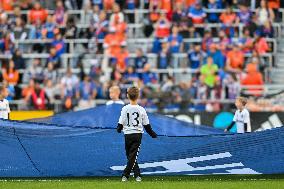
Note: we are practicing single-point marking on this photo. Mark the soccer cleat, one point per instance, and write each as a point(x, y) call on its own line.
point(124, 179)
point(138, 179)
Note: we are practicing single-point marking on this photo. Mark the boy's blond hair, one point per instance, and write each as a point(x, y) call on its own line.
point(243, 100)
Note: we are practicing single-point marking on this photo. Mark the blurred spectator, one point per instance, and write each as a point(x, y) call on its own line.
point(120, 59)
point(86, 90)
point(178, 13)
point(38, 98)
point(260, 44)
point(147, 76)
point(60, 16)
point(154, 8)
point(216, 54)
point(37, 14)
point(54, 58)
point(71, 29)
point(50, 73)
point(116, 16)
point(59, 45)
point(208, 72)
point(7, 5)
point(253, 78)
point(49, 29)
point(35, 71)
point(140, 60)
point(207, 40)
point(197, 15)
point(196, 57)
point(235, 60)
point(246, 42)
point(19, 31)
point(51, 91)
point(26, 92)
point(224, 43)
point(175, 41)
point(164, 59)
point(18, 60)
point(108, 4)
point(228, 18)
point(68, 84)
point(10, 74)
point(213, 17)
point(264, 13)
point(244, 16)
point(267, 30)
point(232, 86)
point(131, 76)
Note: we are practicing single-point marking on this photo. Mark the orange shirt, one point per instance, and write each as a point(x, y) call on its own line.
point(35, 15)
point(274, 4)
point(228, 18)
point(113, 42)
point(236, 59)
point(121, 60)
point(253, 77)
point(261, 46)
point(108, 4)
point(190, 2)
point(166, 5)
point(12, 77)
point(121, 29)
point(7, 5)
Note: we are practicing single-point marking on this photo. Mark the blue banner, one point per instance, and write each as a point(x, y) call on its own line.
point(41, 150)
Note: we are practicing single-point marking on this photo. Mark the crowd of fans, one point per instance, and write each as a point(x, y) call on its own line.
point(218, 62)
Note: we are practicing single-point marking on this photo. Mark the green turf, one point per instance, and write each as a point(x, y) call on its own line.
point(203, 182)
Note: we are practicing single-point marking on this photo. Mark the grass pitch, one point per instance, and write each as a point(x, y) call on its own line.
point(175, 182)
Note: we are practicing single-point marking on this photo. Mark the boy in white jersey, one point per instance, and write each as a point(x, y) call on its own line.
point(4, 104)
point(241, 118)
point(132, 120)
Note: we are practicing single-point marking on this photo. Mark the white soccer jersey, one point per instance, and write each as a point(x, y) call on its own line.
point(110, 102)
point(133, 117)
point(242, 117)
point(4, 109)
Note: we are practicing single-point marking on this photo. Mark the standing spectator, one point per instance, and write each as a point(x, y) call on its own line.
point(38, 98)
point(37, 14)
point(208, 73)
point(264, 13)
point(253, 78)
point(235, 60)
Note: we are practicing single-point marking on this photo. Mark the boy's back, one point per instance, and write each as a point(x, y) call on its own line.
point(133, 118)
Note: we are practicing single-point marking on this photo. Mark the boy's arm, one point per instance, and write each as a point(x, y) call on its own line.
point(150, 131)
point(230, 126)
point(147, 126)
point(120, 122)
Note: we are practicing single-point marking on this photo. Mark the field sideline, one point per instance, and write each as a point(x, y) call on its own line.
point(195, 182)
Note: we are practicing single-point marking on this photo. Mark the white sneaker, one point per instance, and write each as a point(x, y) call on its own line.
point(124, 179)
point(138, 179)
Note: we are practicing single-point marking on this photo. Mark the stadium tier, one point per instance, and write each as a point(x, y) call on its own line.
point(184, 55)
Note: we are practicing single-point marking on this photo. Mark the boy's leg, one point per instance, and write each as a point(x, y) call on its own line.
point(133, 141)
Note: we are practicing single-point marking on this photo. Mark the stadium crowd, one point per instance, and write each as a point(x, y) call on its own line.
point(218, 64)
